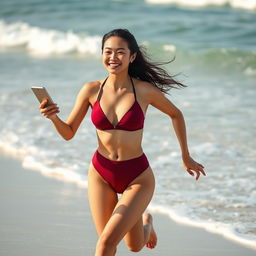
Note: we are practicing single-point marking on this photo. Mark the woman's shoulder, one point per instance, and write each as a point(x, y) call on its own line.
point(92, 86)
point(89, 89)
point(145, 87)
point(145, 91)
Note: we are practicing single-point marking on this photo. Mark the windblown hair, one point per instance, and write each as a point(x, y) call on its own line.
point(142, 68)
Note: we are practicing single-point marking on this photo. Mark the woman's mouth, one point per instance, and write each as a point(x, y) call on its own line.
point(113, 65)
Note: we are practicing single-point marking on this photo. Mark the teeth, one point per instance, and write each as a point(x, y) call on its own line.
point(113, 65)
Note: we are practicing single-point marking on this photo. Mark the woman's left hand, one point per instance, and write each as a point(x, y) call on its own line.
point(190, 165)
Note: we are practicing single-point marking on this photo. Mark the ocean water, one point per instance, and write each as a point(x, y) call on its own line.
point(56, 44)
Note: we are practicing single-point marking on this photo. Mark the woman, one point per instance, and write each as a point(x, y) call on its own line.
point(119, 105)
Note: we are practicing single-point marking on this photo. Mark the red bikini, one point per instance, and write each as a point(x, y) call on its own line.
point(119, 174)
point(133, 119)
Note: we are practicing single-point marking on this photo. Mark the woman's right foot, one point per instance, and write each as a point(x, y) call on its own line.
point(152, 241)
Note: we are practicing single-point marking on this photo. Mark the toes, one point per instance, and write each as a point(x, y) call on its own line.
point(150, 245)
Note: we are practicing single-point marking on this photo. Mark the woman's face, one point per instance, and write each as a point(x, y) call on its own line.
point(116, 55)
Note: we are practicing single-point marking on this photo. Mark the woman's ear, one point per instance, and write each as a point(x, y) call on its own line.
point(133, 57)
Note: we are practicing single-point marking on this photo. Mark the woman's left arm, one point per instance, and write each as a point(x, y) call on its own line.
point(158, 100)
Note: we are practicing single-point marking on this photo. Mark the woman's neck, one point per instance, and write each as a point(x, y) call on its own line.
point(119, 81)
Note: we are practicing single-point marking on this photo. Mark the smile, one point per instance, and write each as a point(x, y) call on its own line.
point(114, 65)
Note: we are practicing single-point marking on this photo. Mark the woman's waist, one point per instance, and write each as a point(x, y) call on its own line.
point(120, 153)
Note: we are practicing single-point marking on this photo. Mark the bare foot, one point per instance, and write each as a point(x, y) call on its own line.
point(152, 241)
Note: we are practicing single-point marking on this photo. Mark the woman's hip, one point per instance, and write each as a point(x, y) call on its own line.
point(119, 174)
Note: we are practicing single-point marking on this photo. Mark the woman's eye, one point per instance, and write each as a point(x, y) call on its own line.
point(109, 52)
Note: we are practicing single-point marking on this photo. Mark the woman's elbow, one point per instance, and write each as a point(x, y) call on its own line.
point(176, 114)
point(68, 136)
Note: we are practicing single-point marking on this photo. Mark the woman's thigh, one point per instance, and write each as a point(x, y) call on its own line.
point(127, 215)
point(102, 199)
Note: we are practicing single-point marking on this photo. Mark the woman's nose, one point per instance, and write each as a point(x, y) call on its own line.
point(113, 56)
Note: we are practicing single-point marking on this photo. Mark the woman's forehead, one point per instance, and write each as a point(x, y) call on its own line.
point(115, 42)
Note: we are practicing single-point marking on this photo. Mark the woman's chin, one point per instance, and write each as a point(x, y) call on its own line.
point(114, 71)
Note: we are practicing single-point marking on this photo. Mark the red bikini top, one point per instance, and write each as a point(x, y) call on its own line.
point(132, 120)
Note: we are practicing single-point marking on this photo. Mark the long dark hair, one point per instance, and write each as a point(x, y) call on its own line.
point(142, 68)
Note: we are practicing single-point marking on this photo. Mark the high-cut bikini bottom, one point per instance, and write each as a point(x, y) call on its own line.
point(119, 174)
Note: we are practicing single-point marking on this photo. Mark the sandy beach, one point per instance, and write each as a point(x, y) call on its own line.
point(45, 216)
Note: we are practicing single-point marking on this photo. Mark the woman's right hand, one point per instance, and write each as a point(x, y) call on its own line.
point(50, 111)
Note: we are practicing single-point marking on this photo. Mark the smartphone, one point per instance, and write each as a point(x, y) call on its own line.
point(41, 93)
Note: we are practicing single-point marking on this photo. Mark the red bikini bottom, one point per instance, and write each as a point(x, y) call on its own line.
point(119, 174)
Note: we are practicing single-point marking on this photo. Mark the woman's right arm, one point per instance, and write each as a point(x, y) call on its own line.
point(68, 129)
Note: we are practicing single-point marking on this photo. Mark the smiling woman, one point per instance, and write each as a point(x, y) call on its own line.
point(119, 165)
point(116, 55)
point(139, 66)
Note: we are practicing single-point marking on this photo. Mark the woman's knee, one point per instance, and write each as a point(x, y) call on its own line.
point(106, 243)
point(135, 248)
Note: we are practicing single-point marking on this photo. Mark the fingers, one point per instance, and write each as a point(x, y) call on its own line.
point(198, 171)
point(192, 166)
point(43, 103)
point(201, 165)
point(202, 171)
point(190, 172)
point(197, 175)
point(48, 111)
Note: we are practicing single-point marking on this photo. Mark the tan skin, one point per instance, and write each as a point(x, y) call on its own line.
point(124, 218)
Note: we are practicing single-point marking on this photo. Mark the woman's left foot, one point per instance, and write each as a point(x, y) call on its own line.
point(152, 241)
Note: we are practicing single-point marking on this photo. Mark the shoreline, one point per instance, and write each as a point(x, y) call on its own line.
point(45, 215)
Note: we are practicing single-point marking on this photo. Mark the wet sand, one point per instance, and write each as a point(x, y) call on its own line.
point(45, 216)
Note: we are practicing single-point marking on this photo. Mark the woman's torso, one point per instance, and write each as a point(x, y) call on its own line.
point(116, 143)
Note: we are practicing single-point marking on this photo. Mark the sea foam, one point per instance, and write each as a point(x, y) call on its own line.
point(39, 41)
point(181, 215)
point(37, 159)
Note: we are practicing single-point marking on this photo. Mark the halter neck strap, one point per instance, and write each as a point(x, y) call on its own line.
point(101, 87)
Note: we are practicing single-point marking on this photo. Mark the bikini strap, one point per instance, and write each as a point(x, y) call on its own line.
point(133, 89)
point(101, 87)
point(100, 91)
